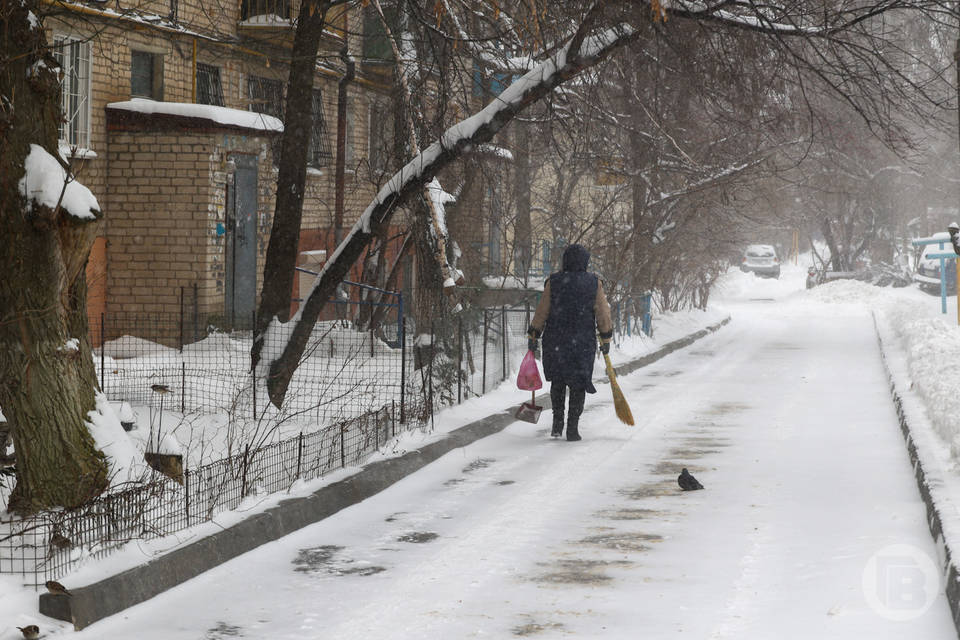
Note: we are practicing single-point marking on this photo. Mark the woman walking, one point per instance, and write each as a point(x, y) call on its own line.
point(572, 310)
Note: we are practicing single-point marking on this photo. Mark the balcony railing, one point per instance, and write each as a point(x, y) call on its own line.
point(264, 11)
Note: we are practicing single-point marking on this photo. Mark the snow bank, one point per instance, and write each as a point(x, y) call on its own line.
point(45, 182)
point(125, 461)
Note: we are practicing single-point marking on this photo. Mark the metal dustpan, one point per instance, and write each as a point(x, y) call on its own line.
point(529, 411)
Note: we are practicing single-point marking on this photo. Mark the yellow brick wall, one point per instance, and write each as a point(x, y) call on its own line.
point(136, 175)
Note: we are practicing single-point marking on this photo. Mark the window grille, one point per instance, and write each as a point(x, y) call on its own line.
point(74, 58)
point(319, 154)
point(266, 96)
point(209, 89)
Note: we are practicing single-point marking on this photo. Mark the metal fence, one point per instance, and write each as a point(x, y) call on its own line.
point(365, 386)
point(350, 364)
point(48, 545)
point(632, 315)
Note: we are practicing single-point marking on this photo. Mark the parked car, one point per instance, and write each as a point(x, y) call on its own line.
point(762, 260)
point(927, 274)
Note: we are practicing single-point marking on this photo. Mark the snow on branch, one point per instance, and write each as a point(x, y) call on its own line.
point(46, 182)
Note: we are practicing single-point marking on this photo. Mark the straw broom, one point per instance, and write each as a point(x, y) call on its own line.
point(619, 402)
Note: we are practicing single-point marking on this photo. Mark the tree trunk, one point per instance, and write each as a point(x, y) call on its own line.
point(521, 183)
point(281, 259)
point(47, 384)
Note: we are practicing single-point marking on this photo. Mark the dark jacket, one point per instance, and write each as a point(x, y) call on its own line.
point(572, 303)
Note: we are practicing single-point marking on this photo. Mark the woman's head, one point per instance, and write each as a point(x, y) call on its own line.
point(575, 258)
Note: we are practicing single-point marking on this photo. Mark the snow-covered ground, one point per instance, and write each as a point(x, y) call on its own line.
point(811, 524)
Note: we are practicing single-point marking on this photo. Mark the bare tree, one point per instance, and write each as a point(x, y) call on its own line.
point(47, 378)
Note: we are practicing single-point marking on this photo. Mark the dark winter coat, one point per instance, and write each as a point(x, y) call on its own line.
point(570, 331)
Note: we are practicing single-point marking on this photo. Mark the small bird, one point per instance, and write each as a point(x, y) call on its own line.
point(56, 588)
point(30, 632)
point(160, 388)
point(687, 482)
point(60, 541)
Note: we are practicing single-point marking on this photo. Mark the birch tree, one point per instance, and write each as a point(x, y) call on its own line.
point(835, 45)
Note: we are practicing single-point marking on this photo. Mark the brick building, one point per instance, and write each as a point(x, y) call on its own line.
point(169, 111)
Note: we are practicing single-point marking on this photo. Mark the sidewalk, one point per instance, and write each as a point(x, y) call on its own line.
point(116, 593)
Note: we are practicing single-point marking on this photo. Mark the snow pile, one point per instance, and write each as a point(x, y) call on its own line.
point(513, 282)
point(125, 461)
point(932, 346)
point(45, 182)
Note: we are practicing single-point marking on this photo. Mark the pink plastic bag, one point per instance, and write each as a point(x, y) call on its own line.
point(529, 377)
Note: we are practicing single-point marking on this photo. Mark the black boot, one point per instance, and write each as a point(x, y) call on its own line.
point(577, 397)
point(557, 430)
point(557, 400)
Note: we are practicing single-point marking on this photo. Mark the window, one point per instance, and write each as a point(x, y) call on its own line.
point(376, 46)
point(209, 89)
point(250, 9)
point(319, 153)
point(146, 75)
point(266, 96)
point(380, 136)
point(74, 58)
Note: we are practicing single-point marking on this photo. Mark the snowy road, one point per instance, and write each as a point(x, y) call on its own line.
point(784, 415)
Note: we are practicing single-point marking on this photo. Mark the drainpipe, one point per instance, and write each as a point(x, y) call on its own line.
point(341, 141)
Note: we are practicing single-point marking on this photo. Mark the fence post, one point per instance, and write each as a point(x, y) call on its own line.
point(186, 493)
point(503, 342)
point(403, 368)
point(343, 446)
point(243, 478)
point(183, 387)
point(299, 454)
point(459, 359)
point(181, 320)
point(196, 312)
point(103, 351)
point(486, 332)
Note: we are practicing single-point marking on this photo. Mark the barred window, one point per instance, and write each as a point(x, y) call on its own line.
point(209, 89)
point(74, 58)
point(319, 154)
point(266, 96)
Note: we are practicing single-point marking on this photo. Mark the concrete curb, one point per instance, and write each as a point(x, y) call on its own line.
point(948, 567)
point(114, 594)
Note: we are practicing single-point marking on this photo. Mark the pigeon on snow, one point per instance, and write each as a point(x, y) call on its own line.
point(687, 482)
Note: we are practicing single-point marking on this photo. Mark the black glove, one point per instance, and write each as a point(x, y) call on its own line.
point(605, 347)
point(533, 336)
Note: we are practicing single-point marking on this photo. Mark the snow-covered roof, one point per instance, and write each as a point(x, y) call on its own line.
point(220, 115)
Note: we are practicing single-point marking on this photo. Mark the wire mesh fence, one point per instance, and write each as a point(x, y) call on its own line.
point(356, 388)
point(48, 545)
point(632, 315)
